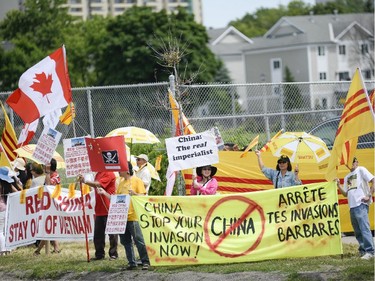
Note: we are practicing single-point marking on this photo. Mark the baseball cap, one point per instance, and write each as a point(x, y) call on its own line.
point(142, 156)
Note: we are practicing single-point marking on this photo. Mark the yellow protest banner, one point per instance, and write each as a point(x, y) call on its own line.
point(292, 222)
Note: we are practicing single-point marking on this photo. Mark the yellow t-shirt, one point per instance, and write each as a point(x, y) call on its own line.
point(136, 184)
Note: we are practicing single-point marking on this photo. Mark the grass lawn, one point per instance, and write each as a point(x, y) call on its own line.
point(21, 263)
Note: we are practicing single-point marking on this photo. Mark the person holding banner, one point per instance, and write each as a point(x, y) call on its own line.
point(107, 182)
point(282, 176)
point(133, 186)
point(52, 178)
point(204, 183)
point(6, 187)
point(359, 195)
point(143, 172)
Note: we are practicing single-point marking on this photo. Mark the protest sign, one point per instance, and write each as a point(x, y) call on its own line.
point(298, 221)
point(219, 140)
point(107, 154)
point(46, 145)
point(190, 151)
point(47, 218)
point(76, 157)
point(118, 214)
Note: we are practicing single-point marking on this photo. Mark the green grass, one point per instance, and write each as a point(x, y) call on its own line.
point(73, 260)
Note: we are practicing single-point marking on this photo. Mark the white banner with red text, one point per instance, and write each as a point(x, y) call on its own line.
point(44, 214)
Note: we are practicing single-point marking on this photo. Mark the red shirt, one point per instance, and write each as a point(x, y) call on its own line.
point(108, 182)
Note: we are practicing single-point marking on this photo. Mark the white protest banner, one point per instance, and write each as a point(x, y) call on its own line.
point(118, 214)
point(46, 145)
point(190, 151)
point(219, 140)
point(30, 217)
point(76, 157)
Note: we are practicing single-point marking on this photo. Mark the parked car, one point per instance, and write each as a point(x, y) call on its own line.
point(327, 132)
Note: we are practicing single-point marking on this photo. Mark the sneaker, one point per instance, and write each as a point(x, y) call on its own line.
point(145, 266)
point(97, 259)
point(131, 267)
point(367, 256)
point(112, 258)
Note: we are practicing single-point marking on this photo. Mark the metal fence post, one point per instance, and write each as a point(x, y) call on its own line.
point(89, 107)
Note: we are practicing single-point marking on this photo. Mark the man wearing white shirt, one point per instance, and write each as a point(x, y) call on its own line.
point(143, 172)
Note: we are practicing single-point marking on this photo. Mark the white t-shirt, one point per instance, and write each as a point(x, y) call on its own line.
point(356, 186)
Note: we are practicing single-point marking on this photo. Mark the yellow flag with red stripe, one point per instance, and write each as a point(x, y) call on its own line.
point(8, 138)
point(357, 119)
point(68, 115)
point(253, 143)
point(158, 162)
point(266, 146)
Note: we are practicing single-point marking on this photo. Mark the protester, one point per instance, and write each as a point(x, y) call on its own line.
point(39, 177)
point(143, 172)
point(133, 186)
point(359, 195)
point(107, 181)
point(283, 175)
point(204, 183)
point(6, 188)
point(52, 178)
point(29, 175)
point(19, 167)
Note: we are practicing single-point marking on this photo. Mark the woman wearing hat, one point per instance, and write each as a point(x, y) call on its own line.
point(6, 187)
point(204, 183)
point(283, 175)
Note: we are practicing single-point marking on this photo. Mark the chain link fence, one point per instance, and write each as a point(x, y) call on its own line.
point(239, 111)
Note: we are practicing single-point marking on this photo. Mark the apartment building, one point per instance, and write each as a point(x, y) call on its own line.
point(86, 8)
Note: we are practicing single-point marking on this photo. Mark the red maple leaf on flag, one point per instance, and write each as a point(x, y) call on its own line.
point(43, 84)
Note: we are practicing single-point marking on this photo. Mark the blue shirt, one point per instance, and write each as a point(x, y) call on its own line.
point(289, 179)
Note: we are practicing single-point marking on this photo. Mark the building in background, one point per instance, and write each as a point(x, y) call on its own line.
point(315, 48)
point(86, 8)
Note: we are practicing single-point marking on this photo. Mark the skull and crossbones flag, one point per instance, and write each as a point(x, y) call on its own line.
point(107, 154)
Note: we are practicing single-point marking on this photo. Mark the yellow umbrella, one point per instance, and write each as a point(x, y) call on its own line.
point(27, 151)
point(300, 147)
point(134, 135)
point(150, 167)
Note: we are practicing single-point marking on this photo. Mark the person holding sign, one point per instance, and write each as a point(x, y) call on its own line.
point(107, 182)
point(143, 172)
point(6, 187)
point(359, 195)
point(204, 183)
point(133, 186)
point(283, 175)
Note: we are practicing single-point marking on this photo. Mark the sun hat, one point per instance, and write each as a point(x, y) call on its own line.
point(213, 170)
point(142, 156)
point(4, 174)
point(283, 158)
point(19, 163)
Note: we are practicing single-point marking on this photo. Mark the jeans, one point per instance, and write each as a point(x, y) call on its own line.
point(134, 231)
point(361, 225)
point(99, 238)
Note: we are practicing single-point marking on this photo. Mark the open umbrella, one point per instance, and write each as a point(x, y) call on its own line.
point(300, 147)
point(134, 135)
point(27, 151)
point(150, 167)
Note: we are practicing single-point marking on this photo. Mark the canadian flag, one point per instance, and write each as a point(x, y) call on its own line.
point(42, 88)
point(27, 133)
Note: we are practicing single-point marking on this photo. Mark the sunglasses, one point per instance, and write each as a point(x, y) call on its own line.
point(282, 162)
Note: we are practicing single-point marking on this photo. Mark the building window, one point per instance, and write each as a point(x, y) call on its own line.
point(96, 1)
point(342, 50)
point(75, 10)
point(344, 76)
point(364, 49)
point(75, 1)
point(96, 9)
point(321, 51)
point(366, 74)
point(276, 64)
point(119, 1)
point(322, 76)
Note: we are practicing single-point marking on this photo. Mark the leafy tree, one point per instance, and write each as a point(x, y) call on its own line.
point(127, 54)
point(34, 33)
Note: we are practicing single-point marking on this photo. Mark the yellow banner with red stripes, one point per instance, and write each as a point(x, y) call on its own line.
point(292, 222)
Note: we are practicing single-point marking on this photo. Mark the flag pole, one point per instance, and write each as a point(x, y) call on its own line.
point(85, 223)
